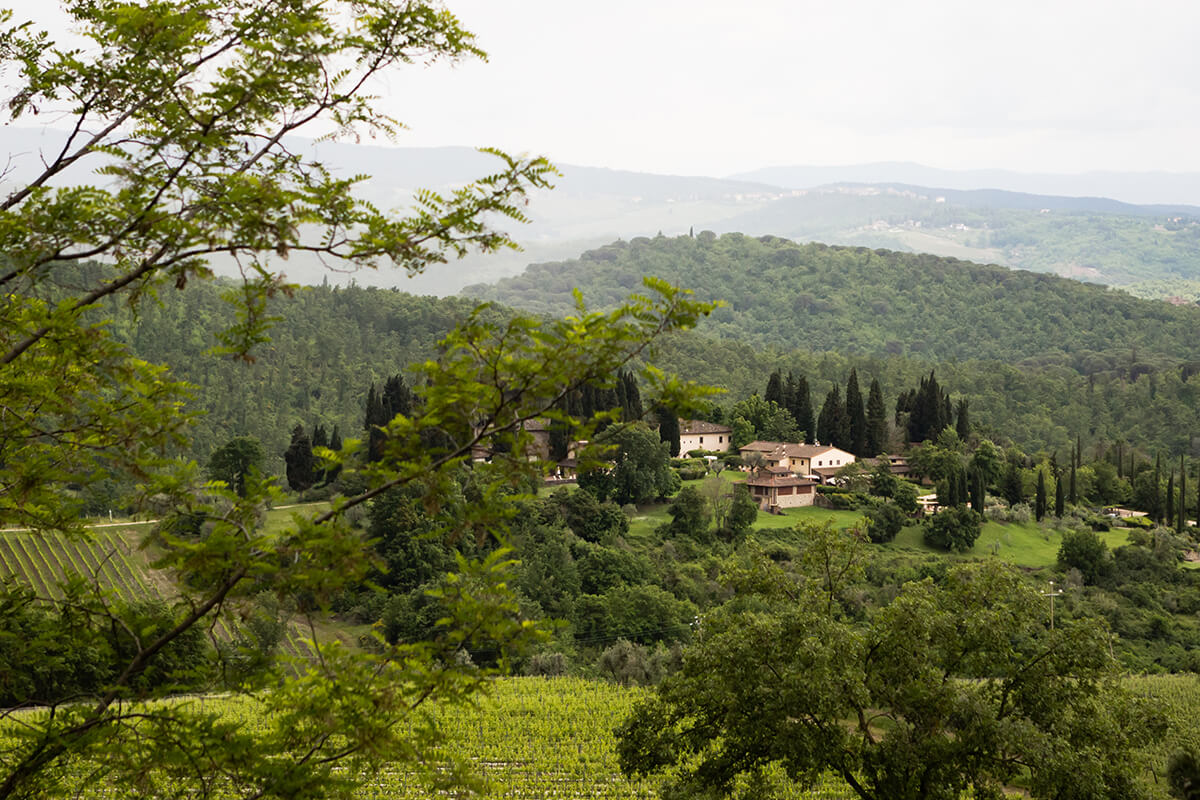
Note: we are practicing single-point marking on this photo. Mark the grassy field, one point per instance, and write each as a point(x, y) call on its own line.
point(1026, 544)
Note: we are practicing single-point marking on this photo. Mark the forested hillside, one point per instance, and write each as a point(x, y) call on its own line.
point(328, 345)
point(873, 302)
point(1042, 360)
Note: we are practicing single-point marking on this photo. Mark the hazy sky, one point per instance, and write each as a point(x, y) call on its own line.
point(694, 86)
point(699, 87)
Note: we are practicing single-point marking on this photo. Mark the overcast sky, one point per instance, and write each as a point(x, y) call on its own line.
point(692, 86)
point(700, 87)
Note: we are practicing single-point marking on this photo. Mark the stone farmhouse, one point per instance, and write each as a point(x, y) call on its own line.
point(695, 434)
point(777, 488)
point(818, 462)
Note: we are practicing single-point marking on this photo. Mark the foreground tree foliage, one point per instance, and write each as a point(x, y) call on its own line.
point(954, 686)
point(182, 110)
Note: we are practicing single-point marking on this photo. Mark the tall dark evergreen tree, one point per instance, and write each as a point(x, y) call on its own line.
point(876, 421)
point(1181, 515)
point(929, 411)
point(1060, 497)
point(335, 444)
point(774, 390)
point(1157, 510)
point(397, 398)
point(1170, 504)
point(375, 416)
point(668, 428)
point(856, 417)
point(802, 410)
point(320, 438)
point(963, 425)
point(1074, 493)
point(629, 396)
point(299, 461)
point(1039, 501)
point(832, 426)
point(977, 491)
point(1014, 489)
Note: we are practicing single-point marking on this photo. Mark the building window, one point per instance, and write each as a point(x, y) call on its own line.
point(720, 440)
point(701, 440)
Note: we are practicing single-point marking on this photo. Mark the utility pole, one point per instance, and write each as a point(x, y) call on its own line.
point(1051, 594)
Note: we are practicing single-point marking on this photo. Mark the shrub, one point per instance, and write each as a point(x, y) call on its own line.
point(884, 522)
point(691, 473)
point(1084, 551)
point(546, 664)
point(954, 529)
point(626, 663)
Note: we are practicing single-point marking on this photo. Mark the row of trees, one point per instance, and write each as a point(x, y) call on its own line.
point(785, 414)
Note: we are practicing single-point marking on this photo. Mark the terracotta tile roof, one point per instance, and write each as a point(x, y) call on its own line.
point(765, 478)
point(787, 449)
point(687, 426)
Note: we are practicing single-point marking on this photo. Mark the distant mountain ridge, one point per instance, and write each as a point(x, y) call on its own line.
point(1081, 234)
point(1139, 188)
point(1003, 198)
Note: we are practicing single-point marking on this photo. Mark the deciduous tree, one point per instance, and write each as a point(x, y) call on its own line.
point(956, 687)
point(186, 111)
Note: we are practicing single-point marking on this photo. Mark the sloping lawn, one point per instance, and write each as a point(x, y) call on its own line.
point(1026, 544)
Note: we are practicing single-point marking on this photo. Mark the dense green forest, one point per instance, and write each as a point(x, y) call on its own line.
point(1043, 360)
point(328, 345)
point(872, 302)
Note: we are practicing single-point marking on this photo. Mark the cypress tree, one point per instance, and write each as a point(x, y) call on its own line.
point(832, 427)
point(977, 491)
point(963, 426)
point(876, 421)
point(1014, 490)
point(636, 409)
point(319, 439)
point(668, 428)
point(298, 459)
point(1059, 496)
point(629, 396)
point(774, 392)
point(929, 411)
point(1039, 501)
point(1181, 516)
point(856, 417)
point(964, 491)
point(1074, 494)
point(397, 398)
point(1170, 504)
point(803, 411)
point(376, 415)
point(335, 444)
point(1157, 510)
